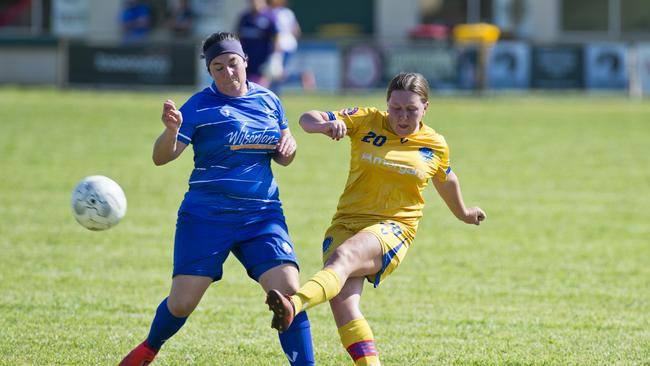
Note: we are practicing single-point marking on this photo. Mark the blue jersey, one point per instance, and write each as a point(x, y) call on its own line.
point(234, 139)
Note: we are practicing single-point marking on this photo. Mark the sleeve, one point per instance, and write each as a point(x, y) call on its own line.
point(352, 117)
point(442, 153)
point(188, 126)
point(283, 122)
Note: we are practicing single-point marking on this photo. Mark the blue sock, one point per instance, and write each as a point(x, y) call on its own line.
point(164, 326)
point(296, 342)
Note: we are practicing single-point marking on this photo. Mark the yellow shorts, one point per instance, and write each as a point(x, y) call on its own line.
point(395, 239)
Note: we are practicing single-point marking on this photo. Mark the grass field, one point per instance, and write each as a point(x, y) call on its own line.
point(559, 274)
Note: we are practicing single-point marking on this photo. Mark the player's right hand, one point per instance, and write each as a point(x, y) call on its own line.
point(474, 215)
point(171, 117)
point(336, 129)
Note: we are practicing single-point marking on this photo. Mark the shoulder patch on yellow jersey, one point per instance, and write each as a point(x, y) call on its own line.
point(349, 111)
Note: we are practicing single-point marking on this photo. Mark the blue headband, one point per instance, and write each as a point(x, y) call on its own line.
point(221, 47)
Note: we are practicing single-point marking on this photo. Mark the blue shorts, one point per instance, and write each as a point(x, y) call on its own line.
point(202, 245)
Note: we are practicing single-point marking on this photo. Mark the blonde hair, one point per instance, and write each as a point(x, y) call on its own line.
point(409, 81)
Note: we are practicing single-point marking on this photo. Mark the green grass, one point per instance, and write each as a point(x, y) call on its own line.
point(557, 275)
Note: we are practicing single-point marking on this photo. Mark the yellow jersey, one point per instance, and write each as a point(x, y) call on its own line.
point(387, 173)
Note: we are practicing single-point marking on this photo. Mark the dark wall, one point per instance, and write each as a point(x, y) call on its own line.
point(312, 15)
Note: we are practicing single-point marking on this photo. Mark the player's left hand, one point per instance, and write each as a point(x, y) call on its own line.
point(287, 145)
point(474, 215)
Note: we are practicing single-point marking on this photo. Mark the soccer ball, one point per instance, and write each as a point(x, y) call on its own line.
point(98, 203)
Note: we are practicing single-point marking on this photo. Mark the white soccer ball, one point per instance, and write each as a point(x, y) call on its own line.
point(98, 203)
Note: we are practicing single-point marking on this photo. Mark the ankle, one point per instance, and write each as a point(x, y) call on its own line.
point(296, 303)
point(146, 345)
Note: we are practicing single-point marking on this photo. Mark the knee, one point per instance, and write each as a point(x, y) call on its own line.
point(283, 278)
point(181, 308)
point(288, 280)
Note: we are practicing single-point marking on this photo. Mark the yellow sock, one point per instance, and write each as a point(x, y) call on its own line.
point(358, 340)
point(323, 286)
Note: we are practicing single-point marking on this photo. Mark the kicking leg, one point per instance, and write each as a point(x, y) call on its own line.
point(358, 256)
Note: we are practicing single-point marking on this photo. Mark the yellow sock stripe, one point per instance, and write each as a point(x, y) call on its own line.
point(362, 349)
point(358, 340)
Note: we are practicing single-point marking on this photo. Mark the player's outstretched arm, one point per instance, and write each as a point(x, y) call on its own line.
point(286, 149)
point(318, 122)
point(167, 148)
point(449, 190)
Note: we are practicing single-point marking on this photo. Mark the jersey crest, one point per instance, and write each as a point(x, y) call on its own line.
point(427, 153)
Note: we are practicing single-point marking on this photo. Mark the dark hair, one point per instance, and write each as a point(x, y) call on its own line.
point(218, 37)
point(409, 81)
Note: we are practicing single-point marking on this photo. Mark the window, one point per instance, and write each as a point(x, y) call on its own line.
point(335, 17)
point(635, 16)
point(452, 12)
point(585, 15)
point(25, 16)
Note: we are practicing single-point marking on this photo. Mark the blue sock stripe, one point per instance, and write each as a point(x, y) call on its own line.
point(296, 341)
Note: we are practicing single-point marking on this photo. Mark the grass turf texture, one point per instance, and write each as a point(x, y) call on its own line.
point(557, 275)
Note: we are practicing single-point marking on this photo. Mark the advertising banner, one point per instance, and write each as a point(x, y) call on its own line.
point(467, 72)
point(509, 66)
point(606, 66)
point(557, 67)
point(145, 64)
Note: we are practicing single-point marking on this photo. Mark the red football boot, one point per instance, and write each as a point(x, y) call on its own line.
point(282, 308)
point(141, 355)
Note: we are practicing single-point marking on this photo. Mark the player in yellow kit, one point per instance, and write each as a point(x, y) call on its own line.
point(394, 156)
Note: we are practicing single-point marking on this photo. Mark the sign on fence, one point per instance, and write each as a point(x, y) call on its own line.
point(509, 66)
point(557, 67)
point(606, 66)
point(145, 64)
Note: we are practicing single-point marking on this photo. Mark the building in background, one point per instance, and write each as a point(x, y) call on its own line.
point(547, 21)
point(354, 44)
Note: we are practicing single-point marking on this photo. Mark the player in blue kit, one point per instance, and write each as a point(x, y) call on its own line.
point(258, 32)
point(236, 128)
